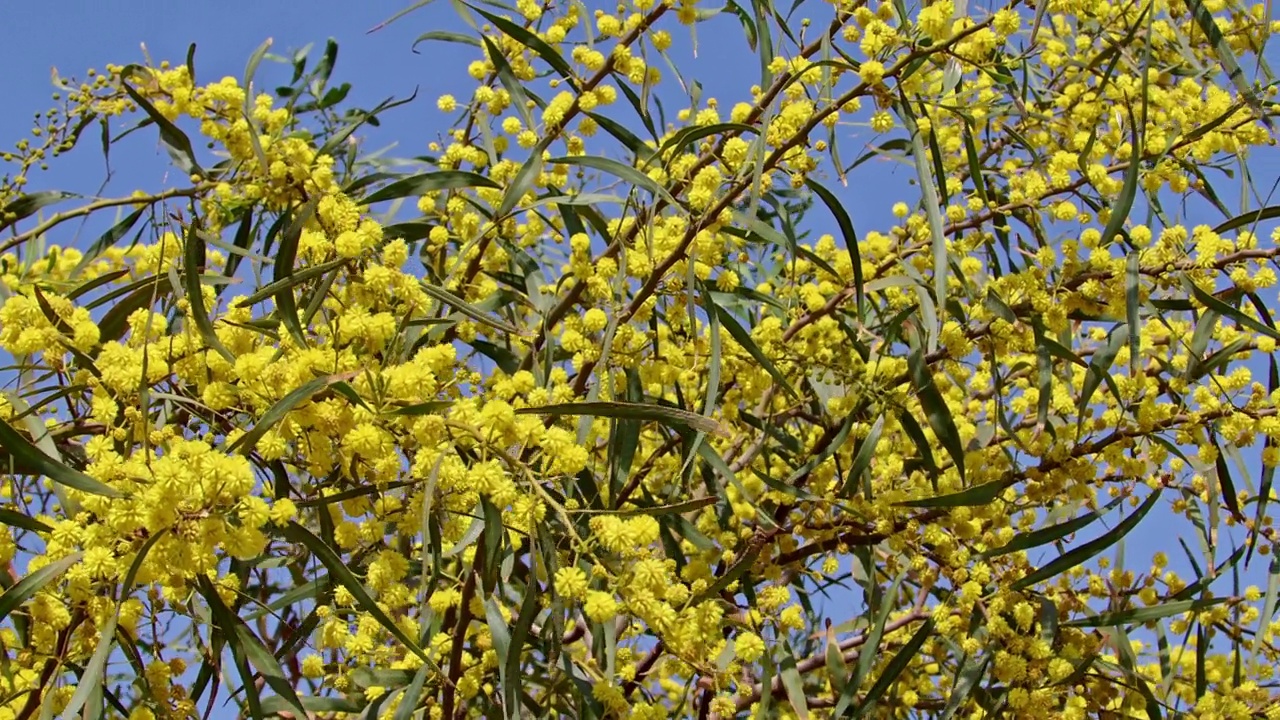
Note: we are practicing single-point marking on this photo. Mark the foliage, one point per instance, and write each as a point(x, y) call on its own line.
point(585, 416)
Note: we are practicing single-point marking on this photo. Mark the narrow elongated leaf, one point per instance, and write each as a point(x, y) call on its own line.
point(895, 667)
point(793, 684)
point(862, 459)
point(17, 519)
point(630, 411)
point(531, 41)
point(91, 679)
point(340, 573)
point(743, 338)
point(1131, 300)
point(429, 182)
point(24, 206)
point(17, 445)
point(412, 694)
point(519, 98)
point(1099, 370)
point(617, 169)
point(971, 497)
point(850, 240)
point(1213, 303)
point(193, 266)
point(294, 279)
point(1249, 219)
point(1137, 616)
point(1078, 556)
point(174, 140)
point(936, 409)
point(1053, 533)
point(21, 591)
point(1209, 26)
point(289, 402)
point(109, 239)
point(620, 133)
point(286, 255)
point(466, 308)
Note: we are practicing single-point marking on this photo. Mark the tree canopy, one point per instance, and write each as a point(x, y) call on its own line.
point(607, 407)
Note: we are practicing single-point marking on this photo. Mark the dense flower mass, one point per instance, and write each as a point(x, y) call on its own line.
point(624, 419)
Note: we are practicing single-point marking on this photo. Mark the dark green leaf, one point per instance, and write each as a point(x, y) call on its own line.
point(617, 169)
point(1044, 536)
point(289, 402)
point(194, 259)
point(24, 206)
point(21, 449)
point(1137, 616)
point(21, 591)
point(629, 411)
point(339, 571)
point(935, 408)
point(174, 140)
point(1078, 556)
point(429, 182)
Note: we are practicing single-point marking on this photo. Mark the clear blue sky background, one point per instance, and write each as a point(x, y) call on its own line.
point(74, 36)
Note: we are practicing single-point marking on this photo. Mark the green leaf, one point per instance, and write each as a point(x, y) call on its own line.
point(286, 305)
point(690, 135)
point(1269, 601)
point(623, 135)
point(430, 407)
point(519, 99)
point(971, 497)
point(18, 519)
point(1099, 371)
point(531, 41)
point(967, 679)
point(24, 589)
point(466, 308)
point(1227, 488)
point(339, 571)
point(429, 182)
point(1137, 616)
point(91, 680)
point(1222, 308)
point(743, 338)
point(318, 705)
point(731, 574)
point(289, 402)
point(877, 614)
point(109, 239)
point(617, 169)
point(830, 449)
point(174, 140)
point(32, 457)
point(1251, 218)
point(446, 36)
point(895, 668)
point(850, 240)
point(629, 411)
point(193, 264)
point(293, 280)
point(1131, 300)
point(792, 683)
point(525, 179)
point(1209, 26)
point(1053, 533)
point(1078, 556)
point(935, 407)
point(412, 694)
point(24, 206)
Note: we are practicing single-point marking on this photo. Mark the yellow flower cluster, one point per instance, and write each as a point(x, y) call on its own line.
point(523, 427)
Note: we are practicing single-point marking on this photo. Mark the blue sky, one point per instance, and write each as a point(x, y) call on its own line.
point(74, 36)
